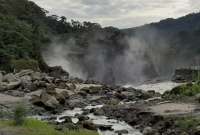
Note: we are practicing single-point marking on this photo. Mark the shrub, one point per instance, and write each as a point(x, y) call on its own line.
point(188, 123)
point(186, 90)
point(19, 114)
point(21, 64)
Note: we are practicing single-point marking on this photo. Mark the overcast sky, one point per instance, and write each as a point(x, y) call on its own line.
point(120, 13)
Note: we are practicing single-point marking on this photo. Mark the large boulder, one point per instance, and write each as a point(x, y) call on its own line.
point(10, 78)
point(61, 97)
point(49, 101)
point(58, 72)
point(52, 103)
point(13, 85)
point(50, 89)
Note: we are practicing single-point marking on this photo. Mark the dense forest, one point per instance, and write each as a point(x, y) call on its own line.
point(26, 30)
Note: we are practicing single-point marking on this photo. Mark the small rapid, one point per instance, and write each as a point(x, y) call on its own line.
point(115, 125)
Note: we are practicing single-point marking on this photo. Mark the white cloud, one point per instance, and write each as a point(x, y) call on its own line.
point(120, 13)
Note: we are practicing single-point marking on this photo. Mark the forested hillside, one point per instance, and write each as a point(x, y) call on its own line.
point(26, 30)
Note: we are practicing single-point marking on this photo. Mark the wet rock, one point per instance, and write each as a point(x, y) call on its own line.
point(121, 132)
point(67, 119)
point(98, 112)
point(89, 125)
point(82, 93)
point(82, 117)
point(105, 127)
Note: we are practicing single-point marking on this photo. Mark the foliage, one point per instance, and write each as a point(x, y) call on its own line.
point(188, 90)
point(19, 114)
point(21, 64)
point(35, 127)
point(188, 123)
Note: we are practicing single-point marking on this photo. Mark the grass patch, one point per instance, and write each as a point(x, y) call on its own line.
point(35, 127)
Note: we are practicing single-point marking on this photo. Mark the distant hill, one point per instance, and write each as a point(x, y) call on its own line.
point(190, 22)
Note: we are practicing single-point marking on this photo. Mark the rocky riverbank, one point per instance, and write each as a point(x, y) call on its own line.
point(49, 95)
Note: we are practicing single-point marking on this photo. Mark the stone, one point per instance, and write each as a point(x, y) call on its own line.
point(49, 101)
point(24, 73)
point(2, 86)
point(16, 93)
point(1, 77)
point(89, 125)
point(91, 90)
point(82, 117)
point(37, 76)
point(58, 72)
point(120, 132)
point(149, 131)
point(197, 130)
point(50, 89)
point(27, 84)
point(52, 103)
point(10, 78)
point(35, 100)
point(67, 119)
point(13, 85)
point(197, 98)
point(105, 127)
point(98, 112)
point(61, 97)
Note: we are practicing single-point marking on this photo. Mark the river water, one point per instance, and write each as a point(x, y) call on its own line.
point(116, 125)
